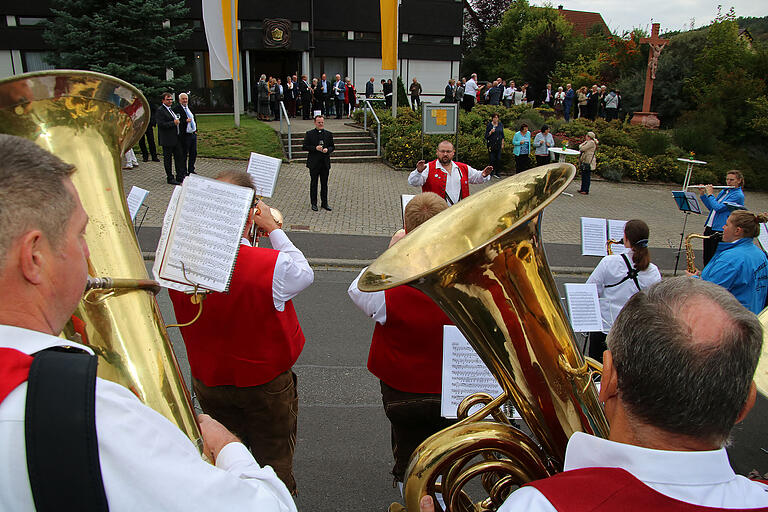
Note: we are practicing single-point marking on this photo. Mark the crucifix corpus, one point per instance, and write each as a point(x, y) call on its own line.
point(646, 117)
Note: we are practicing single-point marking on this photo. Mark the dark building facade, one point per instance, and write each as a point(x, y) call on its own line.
point(283, 38)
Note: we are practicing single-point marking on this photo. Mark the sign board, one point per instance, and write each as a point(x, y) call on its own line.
point(439, 118)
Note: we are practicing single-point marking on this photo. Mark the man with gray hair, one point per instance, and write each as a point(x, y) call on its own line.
point(677, 376)
point(187, 133)
point(134, 458)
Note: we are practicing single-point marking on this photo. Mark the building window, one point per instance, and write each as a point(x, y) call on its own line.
point(331, 34)
point(252, 24)
point(305, 26)
point(368, 36)
point(34, 61)
point(29, 22)
point(427, 39)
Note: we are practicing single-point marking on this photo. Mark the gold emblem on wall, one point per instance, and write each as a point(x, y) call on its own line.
point(277, 33)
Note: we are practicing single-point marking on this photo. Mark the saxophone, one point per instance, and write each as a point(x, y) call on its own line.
point(690, 258)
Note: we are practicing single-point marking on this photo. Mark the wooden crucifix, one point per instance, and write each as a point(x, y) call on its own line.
point(646, 117)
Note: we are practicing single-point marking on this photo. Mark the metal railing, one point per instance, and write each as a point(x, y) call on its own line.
point(284, 116)
point(367, 105)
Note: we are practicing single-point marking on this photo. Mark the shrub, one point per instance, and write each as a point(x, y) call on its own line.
point(615, 137)
point(652, 143)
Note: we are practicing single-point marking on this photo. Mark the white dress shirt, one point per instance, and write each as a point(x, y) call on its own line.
point(373, 304)
point(699, 478)
point(452, 182)
point(292, 271)
point(611, 270)
point(470, 87)
point(146, 462)
point(191, 125)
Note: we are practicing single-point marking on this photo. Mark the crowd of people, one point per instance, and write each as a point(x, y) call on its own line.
point(588, 102)
point(336, 97)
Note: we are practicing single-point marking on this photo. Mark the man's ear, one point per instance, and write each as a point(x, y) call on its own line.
point(749, 403)
point(32, 252)
point(609, 379)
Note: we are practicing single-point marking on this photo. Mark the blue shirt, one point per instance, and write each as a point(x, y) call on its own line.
point(741, 268)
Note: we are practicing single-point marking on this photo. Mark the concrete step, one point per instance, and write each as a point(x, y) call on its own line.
point(370, 146)
point(337, 153)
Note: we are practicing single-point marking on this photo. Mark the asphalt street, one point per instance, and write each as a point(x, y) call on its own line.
point(343, 454)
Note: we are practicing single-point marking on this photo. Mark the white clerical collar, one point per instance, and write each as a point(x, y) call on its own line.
point(650, 466)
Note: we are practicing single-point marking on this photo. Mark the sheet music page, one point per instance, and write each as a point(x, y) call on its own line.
point(762, 238)
point(404, 200)
point(464, 373)
point(264, 170)
point(583, 307)
point(616, 232)
point(693, 202)
point(166, 230)
point(135, 199)
point(205, 233)
point(593, 237)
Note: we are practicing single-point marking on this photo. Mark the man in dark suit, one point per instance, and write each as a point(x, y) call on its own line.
point(369, 88)
point(187, 134)
point(319, 143)
point(149, 138)
point(168, 136)
point(306, 97)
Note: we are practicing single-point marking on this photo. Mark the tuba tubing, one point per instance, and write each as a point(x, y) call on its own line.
point(483, 262)
point(89, 120)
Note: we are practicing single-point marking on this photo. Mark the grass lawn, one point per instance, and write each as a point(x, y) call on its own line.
point(217, 137)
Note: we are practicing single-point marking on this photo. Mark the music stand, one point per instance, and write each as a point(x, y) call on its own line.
point(686, 203)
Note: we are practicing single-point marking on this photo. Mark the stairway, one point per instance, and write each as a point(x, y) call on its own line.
point(350, 146)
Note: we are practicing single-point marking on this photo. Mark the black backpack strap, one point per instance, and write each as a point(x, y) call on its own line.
point(632, 274)
point(60, 433)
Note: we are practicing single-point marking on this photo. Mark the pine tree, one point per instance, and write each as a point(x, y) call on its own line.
point(123, 38)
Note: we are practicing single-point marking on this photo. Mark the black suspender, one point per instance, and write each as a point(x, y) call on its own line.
point(631, 274)
point(60, 433)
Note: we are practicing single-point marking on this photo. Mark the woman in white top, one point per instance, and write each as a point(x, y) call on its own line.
point(618, 277)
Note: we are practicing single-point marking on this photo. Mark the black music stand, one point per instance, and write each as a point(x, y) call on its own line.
point(687, 203)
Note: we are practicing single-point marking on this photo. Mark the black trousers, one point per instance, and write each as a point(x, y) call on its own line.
point(306, 107)
point(542, 160)
point(174, 153)
point(149, 137)
point(522, 162)
point(494, 157)
point(413, 418)
point(320, 172)
point(339, 108)
point(415, 102)
point(189, 151)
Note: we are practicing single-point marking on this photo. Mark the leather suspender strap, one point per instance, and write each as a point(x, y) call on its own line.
point(60, 433)
point(631, 274)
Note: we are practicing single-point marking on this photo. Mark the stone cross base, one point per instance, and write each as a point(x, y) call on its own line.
point(647, 119)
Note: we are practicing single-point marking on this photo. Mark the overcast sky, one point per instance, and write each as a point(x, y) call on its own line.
point(621, 15)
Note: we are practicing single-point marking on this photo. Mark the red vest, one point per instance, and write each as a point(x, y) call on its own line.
point(407, 351)
point(14, 369)
point(437, 177)
point(610, 489)
point(241, 339)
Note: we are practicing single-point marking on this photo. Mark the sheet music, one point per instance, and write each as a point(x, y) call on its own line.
point(464, 373)
point(135, 199)
point(762, 238)
point(583, 307)
point(264, 170)
point(166, 230)
point(616, 232)
point(593, 237)
point(205, 233)
point(404, 200)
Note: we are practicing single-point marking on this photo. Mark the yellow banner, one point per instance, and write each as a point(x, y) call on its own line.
point(388, 34)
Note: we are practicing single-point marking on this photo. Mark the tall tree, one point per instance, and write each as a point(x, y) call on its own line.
point(129, 39)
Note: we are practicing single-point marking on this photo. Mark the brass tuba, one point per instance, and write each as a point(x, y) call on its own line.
point(89, 120)
point(483, 262)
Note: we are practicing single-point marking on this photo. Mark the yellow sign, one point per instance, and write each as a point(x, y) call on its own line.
point(441, 116)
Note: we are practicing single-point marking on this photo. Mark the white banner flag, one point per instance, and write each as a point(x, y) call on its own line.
point(217, 20)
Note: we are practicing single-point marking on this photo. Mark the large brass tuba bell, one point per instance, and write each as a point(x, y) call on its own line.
point(89, 120)
point(483, 262)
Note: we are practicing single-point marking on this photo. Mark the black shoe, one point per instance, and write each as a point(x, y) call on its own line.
point(180, 180)
point(145, 159)
point(314, 207)
point(326, 207)
point(172, 181)
point(155, 159)
point(192, 172)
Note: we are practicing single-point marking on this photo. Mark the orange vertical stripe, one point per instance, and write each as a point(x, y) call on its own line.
point(388, 34)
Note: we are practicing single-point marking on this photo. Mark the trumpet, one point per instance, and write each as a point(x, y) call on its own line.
point(690, 258)
point(612, 242)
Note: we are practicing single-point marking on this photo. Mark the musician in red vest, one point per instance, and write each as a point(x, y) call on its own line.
point(241, 350)
point(446, 178)
point(132, 458)
point(677, 377)
point(406, 350)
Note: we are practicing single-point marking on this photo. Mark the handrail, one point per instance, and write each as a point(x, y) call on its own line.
point(368, 105)
point(284, 115)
